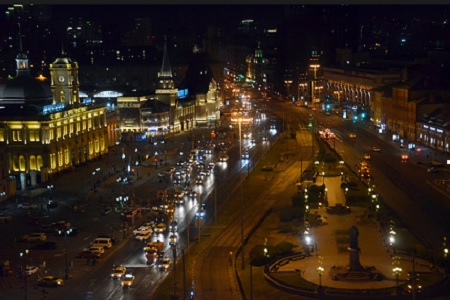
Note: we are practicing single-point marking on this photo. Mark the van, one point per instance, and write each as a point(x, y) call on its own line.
point(102, 242)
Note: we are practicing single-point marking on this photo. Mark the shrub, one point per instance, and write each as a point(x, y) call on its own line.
point(284, 248)
point(285, 227)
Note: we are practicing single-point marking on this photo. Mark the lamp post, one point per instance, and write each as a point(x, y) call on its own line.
point(23, 274)
point(306, 208)
point(323, 178)
point(320, 270)
point(121, 200)
point(66, 232)
point(396, 270)
point(50, 187)
point(241, 196)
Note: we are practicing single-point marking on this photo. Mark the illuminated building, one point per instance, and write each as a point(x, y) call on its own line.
point(195, 103)
point(45, 129)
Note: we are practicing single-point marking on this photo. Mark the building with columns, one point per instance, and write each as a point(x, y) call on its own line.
point(46, 129)
point(354, 85)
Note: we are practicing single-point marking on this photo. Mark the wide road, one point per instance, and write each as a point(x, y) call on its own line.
point(404, 186)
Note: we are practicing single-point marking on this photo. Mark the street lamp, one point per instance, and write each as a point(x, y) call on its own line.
point(23, 274)
point(50, 187)
point(240, 193)
point(66, 232)
point(320, 270)
point(122, 200)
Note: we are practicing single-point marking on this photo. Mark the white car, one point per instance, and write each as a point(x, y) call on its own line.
point(142, 236)
point(30, 270)
point(26, 205)
point(100, 250)
point(143, 229)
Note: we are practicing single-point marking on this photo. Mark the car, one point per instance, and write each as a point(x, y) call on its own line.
point(193, 195)
point(352, 135)
point(60, 225)
point(367, 156)
point(198, 181)
point(173, 239)
point(179, 194)
point(30, 270)
point(404, 157)
point(245, 154)
point(143, 236)
point(118, 272)
point(35, 237)
point(265, 139)
point(46, 246)
point(173, 226)
point(179, 200)
point(128, 280)
point(224, 158)
point(321, 219)
point(88, 254)
point(26, 205)
point(52, 204)
point(100, 250)
point(5, 218)
point(211, 166)
point(433, 170)
point(106, 211)
point(160, 228)
point(50, 281)
point(201, 212)
point(164, 264)
point(143, 229)
point(376, 149)
point(113, 240)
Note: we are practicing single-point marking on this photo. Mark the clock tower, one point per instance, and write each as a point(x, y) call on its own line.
point(64, 81)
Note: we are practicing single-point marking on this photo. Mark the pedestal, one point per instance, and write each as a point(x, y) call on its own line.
point(354, 264)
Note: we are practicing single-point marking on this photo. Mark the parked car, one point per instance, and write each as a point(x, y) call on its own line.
point(46, 246)
point(99, 250)
point(50, 281)
point(35, 237)
point(26, 205)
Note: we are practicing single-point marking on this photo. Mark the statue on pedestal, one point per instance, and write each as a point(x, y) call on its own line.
point(353, 233)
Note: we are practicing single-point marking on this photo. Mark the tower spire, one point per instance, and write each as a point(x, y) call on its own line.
point(20, 39)
point(166, 70)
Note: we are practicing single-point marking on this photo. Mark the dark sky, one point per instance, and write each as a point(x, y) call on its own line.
point(194, 15)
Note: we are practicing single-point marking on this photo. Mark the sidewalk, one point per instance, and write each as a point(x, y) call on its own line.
point(371, 242)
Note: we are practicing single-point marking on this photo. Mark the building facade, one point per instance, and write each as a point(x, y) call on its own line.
point(169, 109)
point(46, 129)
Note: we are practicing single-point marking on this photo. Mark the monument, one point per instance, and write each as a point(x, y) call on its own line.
point(353, 249)
point(354, 271)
